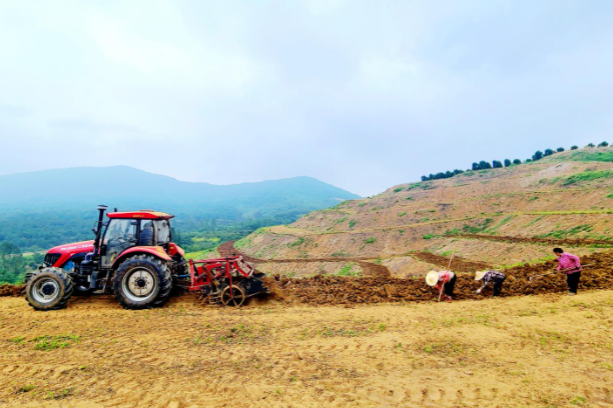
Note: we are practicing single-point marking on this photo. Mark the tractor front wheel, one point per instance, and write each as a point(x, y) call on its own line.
point(49, 289)
point(142, 282)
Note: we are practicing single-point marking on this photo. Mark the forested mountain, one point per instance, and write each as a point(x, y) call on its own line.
point(46, 208)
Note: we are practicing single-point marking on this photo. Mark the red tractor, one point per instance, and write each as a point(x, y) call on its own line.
point(133, 257)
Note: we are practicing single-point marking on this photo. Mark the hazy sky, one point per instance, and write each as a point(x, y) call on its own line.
point(360, 94)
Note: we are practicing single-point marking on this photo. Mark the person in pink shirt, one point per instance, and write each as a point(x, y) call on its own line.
point(571, 265)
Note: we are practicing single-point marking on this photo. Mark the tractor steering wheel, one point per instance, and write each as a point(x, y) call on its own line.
point(117, 240)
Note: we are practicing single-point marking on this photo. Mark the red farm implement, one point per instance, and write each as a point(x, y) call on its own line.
point(229, 281)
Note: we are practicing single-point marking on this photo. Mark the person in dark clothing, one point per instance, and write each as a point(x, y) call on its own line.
point(146, 235)
point(494, 277)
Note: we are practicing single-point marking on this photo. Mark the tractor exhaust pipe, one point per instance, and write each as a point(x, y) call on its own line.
point(101, 209)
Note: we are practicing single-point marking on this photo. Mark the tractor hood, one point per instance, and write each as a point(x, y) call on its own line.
point(73, 248)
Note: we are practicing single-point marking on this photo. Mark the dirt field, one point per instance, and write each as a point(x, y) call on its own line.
point(536, 351)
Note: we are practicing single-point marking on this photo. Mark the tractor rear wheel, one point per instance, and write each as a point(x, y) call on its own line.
point(49, 289)
point(29, 276)
point(142, 282)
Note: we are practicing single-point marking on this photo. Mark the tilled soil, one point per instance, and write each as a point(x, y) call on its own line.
point(12, 290)
point(334, 290)
point(574, 242)
point(344, 290)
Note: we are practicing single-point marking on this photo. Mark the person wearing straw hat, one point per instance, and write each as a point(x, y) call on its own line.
point(444, 281)
point(487, 277)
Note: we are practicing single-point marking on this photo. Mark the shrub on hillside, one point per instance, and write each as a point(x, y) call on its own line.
point(560, 149)
point(516, 161)
point(548, 152)
point(590, 145)
point(438, 176)
point(538, 155)
point(575, 147)
point(603, 144)
point(507, 162)
point(496, 164)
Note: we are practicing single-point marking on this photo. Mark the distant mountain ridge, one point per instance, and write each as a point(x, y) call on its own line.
point(123, 185)
point(35, 207)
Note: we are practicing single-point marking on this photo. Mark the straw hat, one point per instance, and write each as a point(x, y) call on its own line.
point(479, 275)
point(432, 278)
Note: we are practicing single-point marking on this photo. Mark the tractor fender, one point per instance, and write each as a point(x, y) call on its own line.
point(174, 249)
point(158, 252)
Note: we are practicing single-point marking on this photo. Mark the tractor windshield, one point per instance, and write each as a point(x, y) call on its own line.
point(163, 232)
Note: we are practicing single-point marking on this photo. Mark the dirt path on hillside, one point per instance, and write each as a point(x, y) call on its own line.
point(369, 269)
point(458, 264)
point(573, 242)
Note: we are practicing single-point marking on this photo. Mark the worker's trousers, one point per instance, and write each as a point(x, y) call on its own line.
point(448, 287)
point(498, 286)
point(572, 279)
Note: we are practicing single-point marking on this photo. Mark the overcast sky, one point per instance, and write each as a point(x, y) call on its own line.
point(360, 94)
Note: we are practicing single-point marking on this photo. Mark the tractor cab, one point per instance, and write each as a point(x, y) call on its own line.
point(126, 230)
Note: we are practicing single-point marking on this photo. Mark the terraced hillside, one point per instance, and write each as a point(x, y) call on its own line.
point(498, 217)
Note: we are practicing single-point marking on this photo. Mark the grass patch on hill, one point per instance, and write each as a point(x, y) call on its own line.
point(500, 224)
point(348, 270)
point(205, 254)
point(560, 234)
point(422, 185)
point(298, 242)
point(606, 156)
point(582, 177)
point(530, 262)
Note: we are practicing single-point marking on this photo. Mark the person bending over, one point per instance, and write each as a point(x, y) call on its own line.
point(487, 277)
point(444, 281)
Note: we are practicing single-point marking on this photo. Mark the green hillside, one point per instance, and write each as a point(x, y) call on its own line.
point(45, 208)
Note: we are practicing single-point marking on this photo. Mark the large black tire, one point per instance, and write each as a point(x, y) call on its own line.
point(49, 289)
point(142, 282)
point(29, 276)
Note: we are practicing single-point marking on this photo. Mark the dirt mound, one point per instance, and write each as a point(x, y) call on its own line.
point(334, 290)
point(574, 242)
point(459, 264)
point(12, 290)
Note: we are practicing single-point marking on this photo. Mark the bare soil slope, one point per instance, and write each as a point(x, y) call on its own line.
point(540, 351)
point(497, 217)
